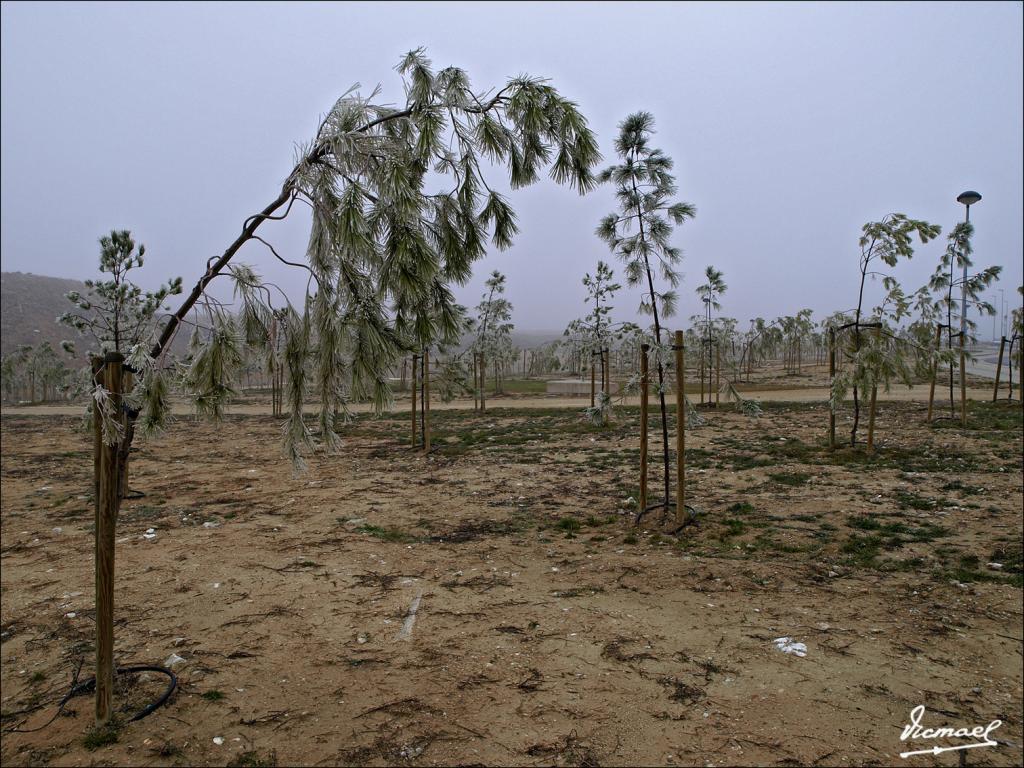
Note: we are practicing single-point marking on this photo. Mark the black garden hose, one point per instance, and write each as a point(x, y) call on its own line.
point(89, 685)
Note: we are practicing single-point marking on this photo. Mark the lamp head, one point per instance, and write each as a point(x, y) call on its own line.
point(968, 198)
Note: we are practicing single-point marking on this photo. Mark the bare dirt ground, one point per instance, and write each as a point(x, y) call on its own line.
point(548, 630)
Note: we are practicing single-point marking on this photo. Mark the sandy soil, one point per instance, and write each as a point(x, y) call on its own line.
point(548, 630)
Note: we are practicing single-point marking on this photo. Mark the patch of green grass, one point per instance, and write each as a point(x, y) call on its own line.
point(866, 522)
point(254, 759)
point(789, 478)
point(102, 736)
point(965, 490)
point(987, 417)
point(630, 539)
point(37, 677)
point(910, 500)
point(903, 566)
point(213, 695)
point(918, 532)
point(862, 550)
point(745, 461)
point(568, 524)
point(741, 508)
point(596, 522)
point(524, 386)
point(766, 542)
point(733, 527)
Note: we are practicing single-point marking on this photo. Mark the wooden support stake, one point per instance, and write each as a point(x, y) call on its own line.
point(592, 375)
point(963, 381)
point(476, 381)
point(718, 372)
point(414, 414)
point(643, 428)
point(105, 523)
point(831, 383)
point(97, 442)
point(999, 369)
point(483, 382)
point(871, 418)
point(871, 408)
point(426, 401)
point(680, 430)
point(702, 376)
point(935, 372)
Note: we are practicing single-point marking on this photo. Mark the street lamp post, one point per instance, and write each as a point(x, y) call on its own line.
point(1002, 313)
point(968, 199)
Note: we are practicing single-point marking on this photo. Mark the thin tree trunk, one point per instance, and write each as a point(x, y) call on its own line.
point(935, 371)
point(999, 368)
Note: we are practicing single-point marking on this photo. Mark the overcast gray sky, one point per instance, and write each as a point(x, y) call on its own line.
point(790, 125)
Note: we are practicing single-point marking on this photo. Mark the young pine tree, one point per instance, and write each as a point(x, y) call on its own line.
point(709, 294)
point(638, 233)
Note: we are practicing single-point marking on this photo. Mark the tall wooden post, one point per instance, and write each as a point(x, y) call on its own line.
point(680, 430)
point(999, 369)
point(606, 369)
point(106, 519)
point(412, 381)
point(935, 372)
point(831, 383)
point(643, 428)
point(702, 375)
point(476, 381)
point(718, 371)
point(483, 382)
point(963, 381)
point(592, 375)
point(97, 441)
point(871, 407)
point(426, 401)
point(871, 419)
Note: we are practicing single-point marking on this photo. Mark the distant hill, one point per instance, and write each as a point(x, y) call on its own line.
point(29, 307)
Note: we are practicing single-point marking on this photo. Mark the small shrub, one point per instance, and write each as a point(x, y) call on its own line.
point(102, 736)
point(789, 478)
point(253, 759)
point(568, 524)
point(733, 527)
